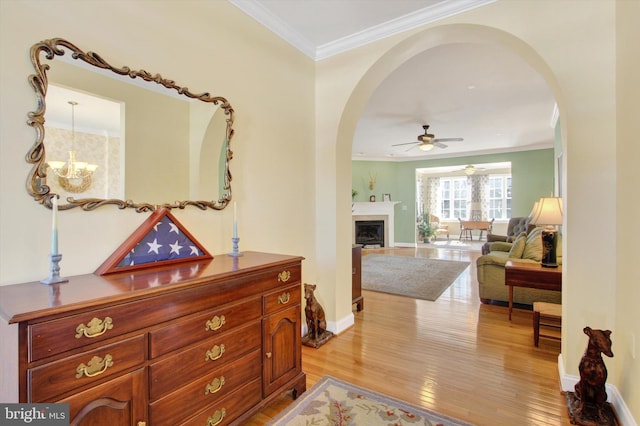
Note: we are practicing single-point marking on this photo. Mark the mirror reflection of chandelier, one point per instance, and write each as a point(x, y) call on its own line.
point(73, 175)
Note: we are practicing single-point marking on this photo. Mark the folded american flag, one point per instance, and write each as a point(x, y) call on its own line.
point(164, 241)
point(161, 239)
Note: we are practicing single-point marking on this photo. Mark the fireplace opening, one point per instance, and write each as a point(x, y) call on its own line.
point(370, 232)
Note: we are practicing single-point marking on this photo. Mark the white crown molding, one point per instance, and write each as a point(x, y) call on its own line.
point(261, 14)
point(404, 23)
point(398, 25)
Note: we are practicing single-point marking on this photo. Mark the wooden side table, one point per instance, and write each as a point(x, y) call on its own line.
point(531, 275)
point(466, 226)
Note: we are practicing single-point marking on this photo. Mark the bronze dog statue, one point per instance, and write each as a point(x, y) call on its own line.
point(317, 333)
point(590, 397)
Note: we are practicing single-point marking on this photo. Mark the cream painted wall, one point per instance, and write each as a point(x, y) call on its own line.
point(579, 66)
point(207, 46)
point(627, 322)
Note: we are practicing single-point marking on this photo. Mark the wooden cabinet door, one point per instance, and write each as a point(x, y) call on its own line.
point(282, 349)
point(121, 401)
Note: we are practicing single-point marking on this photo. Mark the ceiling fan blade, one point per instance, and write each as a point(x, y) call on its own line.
point(410, 148)
point(407, 143)
point(440, 145)
point(448, 140)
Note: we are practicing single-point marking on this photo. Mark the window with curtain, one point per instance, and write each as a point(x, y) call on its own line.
point(449, 193)
point(500, 196)
point(453, 198)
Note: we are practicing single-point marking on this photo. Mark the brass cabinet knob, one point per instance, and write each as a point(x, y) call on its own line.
point(284, 298)
point(215, 323)
point(94, 367)
point(94, 328)
point(214, 353)
point(215, 385)
point(217, 417)
point(284, 276)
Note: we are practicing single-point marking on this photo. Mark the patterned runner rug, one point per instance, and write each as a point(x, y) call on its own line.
point(334, 402)
point(415, 277)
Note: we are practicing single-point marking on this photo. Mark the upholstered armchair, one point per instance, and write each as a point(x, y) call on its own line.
point(439, 228)
point(515, 226)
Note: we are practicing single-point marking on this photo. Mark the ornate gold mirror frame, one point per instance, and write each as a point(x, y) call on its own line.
point(36, 180)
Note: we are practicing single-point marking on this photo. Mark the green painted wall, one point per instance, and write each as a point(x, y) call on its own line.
point(532, 177)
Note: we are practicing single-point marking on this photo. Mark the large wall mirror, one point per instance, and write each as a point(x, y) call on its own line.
point(109, 135)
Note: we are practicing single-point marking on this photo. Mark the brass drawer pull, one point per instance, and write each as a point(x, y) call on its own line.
point(95, 367)
point(284, 298)
point(284, 276)
point(215, 323)
point(215, 385)
point(94, 328)
point(217, 418)
point(214, 353)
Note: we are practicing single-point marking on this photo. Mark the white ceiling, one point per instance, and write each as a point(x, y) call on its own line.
point(484, 94)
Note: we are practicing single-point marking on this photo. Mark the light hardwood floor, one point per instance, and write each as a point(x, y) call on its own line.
point(455, 355)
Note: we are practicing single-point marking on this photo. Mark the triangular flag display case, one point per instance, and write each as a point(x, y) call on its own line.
point(160, 240)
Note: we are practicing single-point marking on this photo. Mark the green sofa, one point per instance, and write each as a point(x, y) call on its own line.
point(490, 269)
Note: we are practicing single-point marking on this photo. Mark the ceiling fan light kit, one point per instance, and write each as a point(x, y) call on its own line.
point(427, 141)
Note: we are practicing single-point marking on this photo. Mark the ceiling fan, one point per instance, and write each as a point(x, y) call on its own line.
point(428, 141)
point(470, 169)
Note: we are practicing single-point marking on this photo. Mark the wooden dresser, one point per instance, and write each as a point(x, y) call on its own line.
point(205, 343)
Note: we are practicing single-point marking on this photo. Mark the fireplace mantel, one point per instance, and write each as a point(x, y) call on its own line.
point(384, 210)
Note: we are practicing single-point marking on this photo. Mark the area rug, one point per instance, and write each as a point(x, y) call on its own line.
point(415, 277)
point(334, 402)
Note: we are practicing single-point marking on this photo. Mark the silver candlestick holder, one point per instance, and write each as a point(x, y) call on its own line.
point(54, 275)
point(235, 251)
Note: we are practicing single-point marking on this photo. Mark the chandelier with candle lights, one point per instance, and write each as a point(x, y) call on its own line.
point(73, 175)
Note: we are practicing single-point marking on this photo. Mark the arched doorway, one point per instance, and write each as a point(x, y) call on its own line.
point(381, 69)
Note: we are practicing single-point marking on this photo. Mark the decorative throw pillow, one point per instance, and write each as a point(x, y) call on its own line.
point(533, 248)
point(517, 248)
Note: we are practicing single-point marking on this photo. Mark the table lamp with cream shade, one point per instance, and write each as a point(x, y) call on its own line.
point(548, 211)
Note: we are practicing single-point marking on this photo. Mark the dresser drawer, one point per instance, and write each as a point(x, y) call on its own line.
point(197, 328)
point(56, 378)
point(228, 409)
point(207, 390)
point(281, 299)
point(74, 331)
point(171, 373)
point(285, 276)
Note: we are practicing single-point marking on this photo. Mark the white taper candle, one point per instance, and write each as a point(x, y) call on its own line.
point(235, 220)
point(54, 225)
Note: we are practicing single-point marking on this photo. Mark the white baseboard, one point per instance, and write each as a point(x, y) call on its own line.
point(341, 325)
point(405, 244)
point(568, 382)
point(336, 327)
